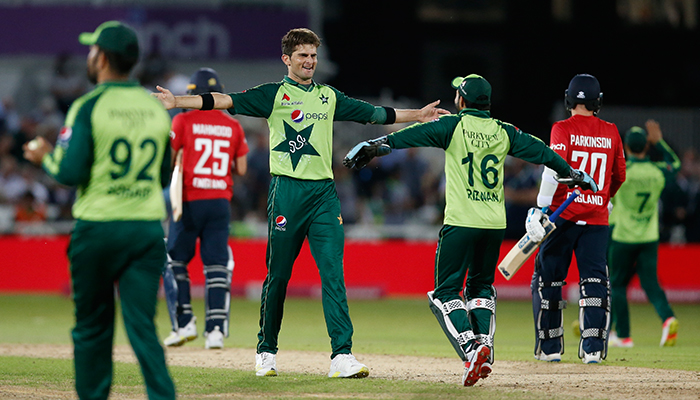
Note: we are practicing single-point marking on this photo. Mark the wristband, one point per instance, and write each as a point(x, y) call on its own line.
point(390, 115)
point(207, 101)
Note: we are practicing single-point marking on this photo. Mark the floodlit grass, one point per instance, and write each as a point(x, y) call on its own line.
point(389, 326)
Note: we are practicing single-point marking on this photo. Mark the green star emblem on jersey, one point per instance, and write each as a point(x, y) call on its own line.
point(324, 99)
point(296, 143)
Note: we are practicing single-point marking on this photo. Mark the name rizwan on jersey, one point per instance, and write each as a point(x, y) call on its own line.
point(476, 195)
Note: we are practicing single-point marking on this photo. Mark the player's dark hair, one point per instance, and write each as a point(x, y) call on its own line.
point(120, 63)
point(480, 107)
point(297, 37)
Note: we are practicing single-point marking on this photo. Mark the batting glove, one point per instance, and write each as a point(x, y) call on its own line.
point(364, 152)
point(579, 178)
point(533, 224)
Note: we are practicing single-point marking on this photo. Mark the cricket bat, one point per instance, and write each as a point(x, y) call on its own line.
point(176, 188)
point(522, 250)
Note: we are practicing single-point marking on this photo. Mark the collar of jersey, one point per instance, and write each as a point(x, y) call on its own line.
point(299, 85)
point(119, 83)
point(476, 113)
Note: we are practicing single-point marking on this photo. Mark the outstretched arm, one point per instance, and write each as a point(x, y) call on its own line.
point(166, 97)
point(425, 114)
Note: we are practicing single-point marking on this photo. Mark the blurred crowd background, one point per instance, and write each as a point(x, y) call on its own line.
point(400, 195)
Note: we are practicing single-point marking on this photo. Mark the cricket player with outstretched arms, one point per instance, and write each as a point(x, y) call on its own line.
point(594, 146)
point(476, 146)
point(213, 147)
point(302, 199)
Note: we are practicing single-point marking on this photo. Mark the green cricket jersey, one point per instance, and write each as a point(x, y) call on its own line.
point(635, 211)
point(112, 147)
point(475, 147)
point(300, 119)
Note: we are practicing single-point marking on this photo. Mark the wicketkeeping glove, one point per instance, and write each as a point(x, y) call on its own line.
point(579, 178)
point(364, 152)
point(533, 224)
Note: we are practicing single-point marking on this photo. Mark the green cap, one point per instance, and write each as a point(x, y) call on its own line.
point(636, 139)
point(115, 37)
point(473, 88)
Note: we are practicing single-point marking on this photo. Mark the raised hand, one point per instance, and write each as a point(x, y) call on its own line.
point(653, 131)
point(165, 96)
point(431, 112)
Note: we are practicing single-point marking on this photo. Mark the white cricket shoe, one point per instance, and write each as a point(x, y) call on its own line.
point(554, 357)
point(669, 333)
point(183, 335)
point(265, 364)
point(592, 358)
point(215, 339)
point(347, 366)
point(174, 340)
point(615, 341)
point(477, 358)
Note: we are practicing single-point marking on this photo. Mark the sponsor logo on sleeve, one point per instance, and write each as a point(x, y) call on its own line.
point(65, 134)
point(559, 146)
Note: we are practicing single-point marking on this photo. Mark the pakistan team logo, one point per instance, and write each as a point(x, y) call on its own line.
point(296, 143)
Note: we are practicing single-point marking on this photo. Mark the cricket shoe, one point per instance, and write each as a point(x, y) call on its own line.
point(554, 357)
point(592, 358)
point(477, 356)
point(265, 364)
point(669, 333)
point(615, 341)
point(215, 339)
point(347, 366)
point(174, 340)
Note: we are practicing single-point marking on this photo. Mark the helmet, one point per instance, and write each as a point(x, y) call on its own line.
point(205, 80)
point(584, 89)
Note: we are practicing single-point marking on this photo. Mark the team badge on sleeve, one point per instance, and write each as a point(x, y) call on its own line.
point(65, 134)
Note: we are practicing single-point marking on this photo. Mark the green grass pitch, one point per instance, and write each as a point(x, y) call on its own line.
point(388, 326)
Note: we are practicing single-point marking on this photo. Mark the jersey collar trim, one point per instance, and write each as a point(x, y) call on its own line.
point(299, 85)
point(475, 112)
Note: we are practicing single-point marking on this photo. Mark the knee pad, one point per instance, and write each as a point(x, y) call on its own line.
point(217, 297)
point(594, 313)
point(170, 292)
point(182, 279)
point(442, 311)
point(476, 319)
point(548, 307)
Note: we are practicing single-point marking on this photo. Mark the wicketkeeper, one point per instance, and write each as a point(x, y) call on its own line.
point(476, 147)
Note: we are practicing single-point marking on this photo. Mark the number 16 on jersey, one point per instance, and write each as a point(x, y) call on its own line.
point(522, 250)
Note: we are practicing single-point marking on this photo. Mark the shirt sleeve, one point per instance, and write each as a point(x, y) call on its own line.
point(177, 132)
point(437, 133)
point(255, 102)
point(619, 172)
point(71, 161)
point(532, 149)
point(350, 109)
point(670, 162)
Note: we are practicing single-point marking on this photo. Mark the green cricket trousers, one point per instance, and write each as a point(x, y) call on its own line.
point(626, 260)
point(299, 209)
point(471, 253)
point(132, 254)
